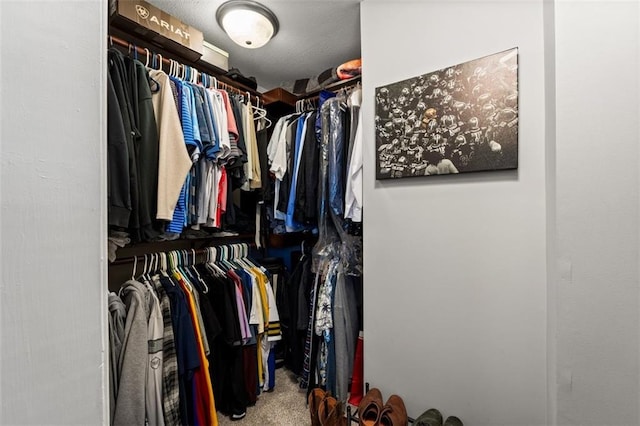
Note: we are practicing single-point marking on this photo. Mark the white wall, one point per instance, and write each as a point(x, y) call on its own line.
point(597, 69)
point(52, 297)
point(455, 267)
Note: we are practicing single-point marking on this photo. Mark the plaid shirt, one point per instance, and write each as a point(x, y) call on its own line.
point(170, 389)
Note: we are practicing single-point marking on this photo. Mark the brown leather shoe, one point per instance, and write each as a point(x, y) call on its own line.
point(394, 412)
point(316, 397)
point(370, 408)
point(331, 412)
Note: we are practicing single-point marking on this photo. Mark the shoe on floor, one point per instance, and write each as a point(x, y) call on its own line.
point(370, 408)
point(238, 416)
point(331, 412)
point(431, 417)
point(394, 412)
point(453, 421)
point(316, 397)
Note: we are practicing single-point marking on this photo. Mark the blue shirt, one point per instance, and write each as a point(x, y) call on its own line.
point(290, 224)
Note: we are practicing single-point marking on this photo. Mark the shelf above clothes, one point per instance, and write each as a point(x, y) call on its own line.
point(282, 96)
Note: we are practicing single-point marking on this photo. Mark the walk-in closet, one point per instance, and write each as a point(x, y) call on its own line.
point(235, 215)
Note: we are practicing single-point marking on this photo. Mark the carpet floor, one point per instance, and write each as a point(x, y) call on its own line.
point(285, 406)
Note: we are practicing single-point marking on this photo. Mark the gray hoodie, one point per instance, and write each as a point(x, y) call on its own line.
point(132, 364)
point(117, 318)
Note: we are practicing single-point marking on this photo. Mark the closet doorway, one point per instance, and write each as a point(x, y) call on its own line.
point(302, 59)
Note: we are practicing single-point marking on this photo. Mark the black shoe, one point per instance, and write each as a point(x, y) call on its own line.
point(240, 416)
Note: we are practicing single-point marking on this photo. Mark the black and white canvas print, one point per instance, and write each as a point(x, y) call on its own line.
point(459, 119)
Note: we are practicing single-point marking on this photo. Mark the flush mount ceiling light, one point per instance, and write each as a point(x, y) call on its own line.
point(247, 22)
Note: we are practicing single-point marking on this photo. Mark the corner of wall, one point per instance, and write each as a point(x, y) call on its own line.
point(104, 281)
point(550, 173)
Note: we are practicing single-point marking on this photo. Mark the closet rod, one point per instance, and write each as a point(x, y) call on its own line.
point(223, 81)
point(198, 252)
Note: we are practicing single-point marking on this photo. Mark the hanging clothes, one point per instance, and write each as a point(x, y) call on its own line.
point(315, 158)
point(170, 376)
point(185, 343)
point(132, 403)
point(353, 192)
point(119, 190)
point(174, 160)
point(121, 86)
point(117, 318)
point(171, 141)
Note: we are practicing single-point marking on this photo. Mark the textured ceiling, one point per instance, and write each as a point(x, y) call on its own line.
point(314, 35)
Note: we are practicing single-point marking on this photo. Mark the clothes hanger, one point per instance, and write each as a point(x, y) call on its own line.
point(152, 258)
point(225, 258)
point(145, 277)
point(205, 288)
point(144, 268)
point(182, 268)
point(258, 112)
point(213, 265)
point(146, 63)
point(135, 265)
point(241, 257)
point(164, 267)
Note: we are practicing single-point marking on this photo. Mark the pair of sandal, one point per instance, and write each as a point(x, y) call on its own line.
point(325, 410)
point(372, 412)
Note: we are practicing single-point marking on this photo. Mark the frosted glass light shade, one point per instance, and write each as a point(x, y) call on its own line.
point(248, 24)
